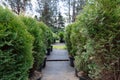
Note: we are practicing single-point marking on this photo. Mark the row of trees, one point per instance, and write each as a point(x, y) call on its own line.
point(74, 8)
point(23, 45)
point(93, 40)
point(17, 6)
point(53, 14)
point(47, 10)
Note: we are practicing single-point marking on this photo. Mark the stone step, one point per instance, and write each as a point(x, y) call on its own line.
point(58, 60)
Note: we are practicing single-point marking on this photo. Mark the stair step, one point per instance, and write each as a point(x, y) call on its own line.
point(58, 60)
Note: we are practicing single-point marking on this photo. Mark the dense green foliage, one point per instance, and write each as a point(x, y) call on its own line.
point(15, 47)
point(47, 34)
point(23, 45)
point(49, 38)
point(38, 46)
point(94, 38)
point(55, 37)
point(67, 38)
point(70, 38)
point(61, 36)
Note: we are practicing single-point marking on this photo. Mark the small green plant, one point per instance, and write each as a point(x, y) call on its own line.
point(55, 37)
point(61, 36)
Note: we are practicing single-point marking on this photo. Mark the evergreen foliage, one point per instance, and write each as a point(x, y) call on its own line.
point(39, 43)
point(23, 45)
point(61, 36)
point(15, 47)
point(96, 37)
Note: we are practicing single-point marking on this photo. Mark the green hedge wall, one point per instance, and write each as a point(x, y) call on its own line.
point(47, 34)
point(67, 38)
point(39, 44)
point(15, 47)
point(23, 45)
point(97, 39)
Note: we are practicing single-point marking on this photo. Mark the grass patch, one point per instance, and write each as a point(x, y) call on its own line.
point(57, 41)
point(59, 46)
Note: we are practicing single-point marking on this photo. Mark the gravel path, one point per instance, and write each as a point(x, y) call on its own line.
point(58, 70)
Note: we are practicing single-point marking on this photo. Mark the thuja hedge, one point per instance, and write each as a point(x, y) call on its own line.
point(67, 38)
point(23, 45)
point(43, 40)
point(70, 38)
point(48, 34)
point(15, 47)
point(96, 37)
point(39, 47)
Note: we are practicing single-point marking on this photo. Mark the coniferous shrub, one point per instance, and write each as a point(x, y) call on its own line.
point(71, 38)
point(47, 34)
point(49, 38)
point(39, 44)
point(104, 31)
point(97, 38)
point(61, 36)
point(67, 38)
point(55, 37)
point(43, 27)
point(15, 47)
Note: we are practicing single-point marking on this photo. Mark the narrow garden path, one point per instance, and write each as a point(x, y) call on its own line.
point(57, 66)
